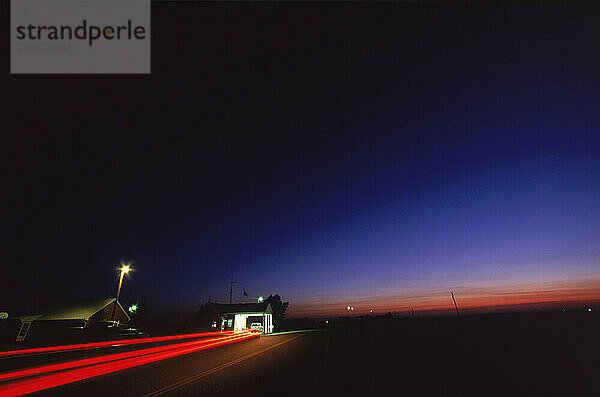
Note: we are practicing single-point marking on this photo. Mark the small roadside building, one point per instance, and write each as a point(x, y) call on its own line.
point(234, 317)
point(71, 317)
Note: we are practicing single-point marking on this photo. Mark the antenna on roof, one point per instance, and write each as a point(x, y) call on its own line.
point(231, 288)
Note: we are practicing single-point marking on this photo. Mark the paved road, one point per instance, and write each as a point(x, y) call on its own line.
point(270, 365)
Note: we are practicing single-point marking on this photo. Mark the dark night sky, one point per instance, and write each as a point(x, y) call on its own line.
point(369, 154)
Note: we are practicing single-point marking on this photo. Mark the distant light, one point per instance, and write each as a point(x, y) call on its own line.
point(351, 307)
point(125, 269)
point(371, 310)
point(260, 299)
point(347, 307)
point(326, 321)
point(590, 309)
point(132, 308)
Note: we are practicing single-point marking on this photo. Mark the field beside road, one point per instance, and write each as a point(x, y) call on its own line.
point(516, 354)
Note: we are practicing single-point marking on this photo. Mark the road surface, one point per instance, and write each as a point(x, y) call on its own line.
point(291, 363)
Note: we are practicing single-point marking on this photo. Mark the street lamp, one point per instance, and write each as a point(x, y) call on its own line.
point(125, 268)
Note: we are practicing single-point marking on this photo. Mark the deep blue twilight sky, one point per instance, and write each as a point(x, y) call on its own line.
point(373, 155)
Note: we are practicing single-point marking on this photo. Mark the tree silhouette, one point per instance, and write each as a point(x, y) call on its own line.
point(279, 309)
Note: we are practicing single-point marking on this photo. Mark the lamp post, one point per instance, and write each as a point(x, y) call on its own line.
point(125, 268)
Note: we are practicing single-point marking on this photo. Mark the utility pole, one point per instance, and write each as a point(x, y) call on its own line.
point(455, 305)
point(412, 311)
point(231, 288)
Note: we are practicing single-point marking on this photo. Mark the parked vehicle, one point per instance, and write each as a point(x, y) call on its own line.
point(106, 330)
point(256, 327)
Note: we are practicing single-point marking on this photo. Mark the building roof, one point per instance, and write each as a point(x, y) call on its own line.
point(77, 310)
point(223, 308)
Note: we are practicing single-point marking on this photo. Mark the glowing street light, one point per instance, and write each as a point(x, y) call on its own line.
point(132, 308)
point(260, 299)
point(125, 268)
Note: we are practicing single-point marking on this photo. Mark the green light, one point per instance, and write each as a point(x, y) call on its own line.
point(260, 299)
point(132, 308)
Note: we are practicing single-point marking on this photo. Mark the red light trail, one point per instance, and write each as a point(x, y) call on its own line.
point(101, 359)
point(95, 345)
point(21, 387)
